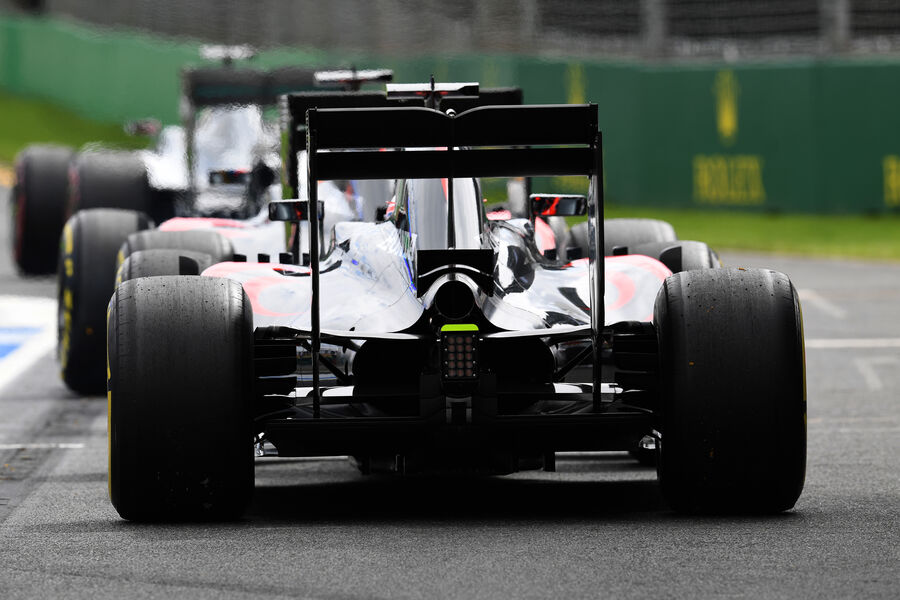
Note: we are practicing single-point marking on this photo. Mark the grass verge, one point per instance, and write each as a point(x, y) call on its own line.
point(26, 121)
point(838, 236)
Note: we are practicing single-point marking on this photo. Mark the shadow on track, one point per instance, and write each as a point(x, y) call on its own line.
point(580, 490)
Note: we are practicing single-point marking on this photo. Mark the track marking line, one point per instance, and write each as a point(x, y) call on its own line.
point(832, 420)
point(43, 446)
point(866, 430)
point(812, 298)
point(29, 323)
point(851, 343)
point(866, 367)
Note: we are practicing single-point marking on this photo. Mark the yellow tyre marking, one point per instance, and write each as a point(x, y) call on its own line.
point(108, 407)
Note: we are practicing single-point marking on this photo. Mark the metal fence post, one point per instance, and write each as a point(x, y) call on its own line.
point(654, 27)
point(835, 16)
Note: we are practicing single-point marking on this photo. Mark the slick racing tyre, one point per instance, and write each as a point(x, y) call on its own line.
point(180, 429)
point(631, 232)
point(105, 179)
point(39, 207)
point(560, 235)
point(733, 391)
point(217, 247)
point(679, 256)
point(627, 233)
point(577, 242)
point(153, 263)
point(87, 273)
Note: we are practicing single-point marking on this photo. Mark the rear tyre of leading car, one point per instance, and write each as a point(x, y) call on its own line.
point(680, 255)
point(631, 232)
point(39, 207)
point(216, 246)
point(115, 179)
point(733, 391)
point(87, 272)
point(180, 377)
point(153, 263)
point(622, 233)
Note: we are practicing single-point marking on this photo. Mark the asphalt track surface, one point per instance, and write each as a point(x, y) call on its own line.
point(596, 528)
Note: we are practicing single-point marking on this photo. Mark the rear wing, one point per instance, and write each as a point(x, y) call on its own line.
point(352, 79)
point(214, 86)
point(488, 141)
point(294, 106)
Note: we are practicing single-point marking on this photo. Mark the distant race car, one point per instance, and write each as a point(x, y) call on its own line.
point(121, 244)
point(441, 341)
point(210, 180)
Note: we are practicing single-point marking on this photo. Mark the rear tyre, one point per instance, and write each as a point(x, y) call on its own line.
point(217, 247)
point(86, 277)
point(153, 263)
point(733, 426)
point(578, 241)
point(560, 235)
point(628, 233)
point(39, 207)
point(632, 232)
point(116, 180)
point(180, 430)
point(680, 255)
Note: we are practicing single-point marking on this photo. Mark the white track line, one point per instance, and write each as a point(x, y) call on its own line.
point(812, 298)
point(852, 343)
point(26, 311)
point(42, 446)
point(866, 368)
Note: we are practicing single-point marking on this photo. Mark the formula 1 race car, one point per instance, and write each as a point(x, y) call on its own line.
point(450, 341)
point(99, 245)
point(216, 175)
point(53, 182)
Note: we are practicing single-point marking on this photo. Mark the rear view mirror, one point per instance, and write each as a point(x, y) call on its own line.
point(558, 205)
point(293, 210)
point(146, 127)
point(228, 176)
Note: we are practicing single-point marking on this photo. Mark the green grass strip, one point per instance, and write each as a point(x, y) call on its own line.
point(26, 121)
point(839, 236)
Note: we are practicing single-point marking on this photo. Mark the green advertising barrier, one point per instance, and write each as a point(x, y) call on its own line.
point(815, 136)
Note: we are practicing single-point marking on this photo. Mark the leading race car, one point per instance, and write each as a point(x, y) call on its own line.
point(52, 183)
point(453, 341)
point(94, 241)
point(218, 172)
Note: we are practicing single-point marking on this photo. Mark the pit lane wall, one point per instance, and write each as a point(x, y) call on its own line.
point(814, 136)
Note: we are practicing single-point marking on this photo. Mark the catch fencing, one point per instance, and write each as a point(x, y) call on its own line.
point(809, 134)
point(636, 28)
